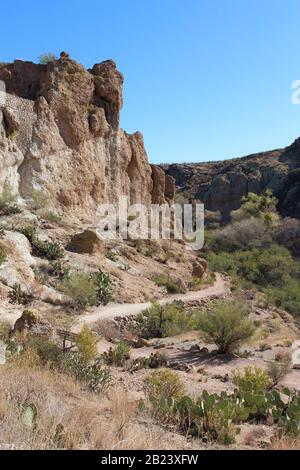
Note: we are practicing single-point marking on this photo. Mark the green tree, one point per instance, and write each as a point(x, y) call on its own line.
point(226, 325)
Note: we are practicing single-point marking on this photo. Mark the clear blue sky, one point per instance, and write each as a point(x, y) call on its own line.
point(204, 79)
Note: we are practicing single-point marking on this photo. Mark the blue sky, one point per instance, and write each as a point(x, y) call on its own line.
point(204, 79)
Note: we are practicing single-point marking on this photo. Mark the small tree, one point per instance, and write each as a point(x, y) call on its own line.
point(87, 343)
point(226, 325)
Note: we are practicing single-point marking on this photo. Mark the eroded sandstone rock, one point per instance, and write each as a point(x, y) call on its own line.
point(67, 140)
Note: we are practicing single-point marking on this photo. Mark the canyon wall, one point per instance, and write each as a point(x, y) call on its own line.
point(60, 133)
point(221, 185)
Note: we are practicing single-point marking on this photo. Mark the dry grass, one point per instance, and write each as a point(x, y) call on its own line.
point(89, 421)
point(285, 443)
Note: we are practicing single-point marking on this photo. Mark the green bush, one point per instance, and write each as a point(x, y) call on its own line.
point(287, 297)
point(8, 204)
point(226, 325)
point(81, 289)
point(29, 231)
point(173, 286)
point(93, 374)
point(164, 384)
point(48, 250)
point(253, 379)
point(117, 356)
point(87, 289)
point(87, 343)
point(160, 321)
point(43, 249)
point(58, 269)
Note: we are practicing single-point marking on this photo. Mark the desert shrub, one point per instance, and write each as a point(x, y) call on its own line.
point(160, 321)
point(43, 249)
point(103, 286)
point(111, 255)
point(47, 351)
point(4, 331)
point(18, 296)
point(239, 235)
point(221, 262)
point(29, 231)
point(117, 356)
point(173, 286)
point(8, 204)
point(48, 250)
point(279, 368)
point(58, 269)
point(257, 205)
point(47, 57)
point(52, 217)
point(288, 234)
point(195, 283)
point(226, 325)
point(39, 199)
point(154, 361)
point(287, 297)
point(87, 289)
point(252, 379)
point(81, 289)
point(92, 373)
point(164, 384)
point(87, 343)
point(271, 266)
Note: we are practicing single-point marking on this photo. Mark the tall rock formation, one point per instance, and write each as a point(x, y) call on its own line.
point(59, 132)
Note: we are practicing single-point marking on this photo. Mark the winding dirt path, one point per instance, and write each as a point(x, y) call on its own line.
point(111, 311)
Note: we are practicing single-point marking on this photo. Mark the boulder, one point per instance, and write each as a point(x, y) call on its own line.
point(86, 242)
point(31, 321)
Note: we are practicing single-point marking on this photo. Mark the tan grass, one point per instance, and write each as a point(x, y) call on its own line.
point(89, 421)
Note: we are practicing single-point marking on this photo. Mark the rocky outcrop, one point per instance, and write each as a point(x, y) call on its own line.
point(59, 132)
point(221, 185)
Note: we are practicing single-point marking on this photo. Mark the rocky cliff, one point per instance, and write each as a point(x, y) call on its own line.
point(221, 185)
point(59, 132)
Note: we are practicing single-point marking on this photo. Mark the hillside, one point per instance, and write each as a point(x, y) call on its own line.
point(221, 185)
